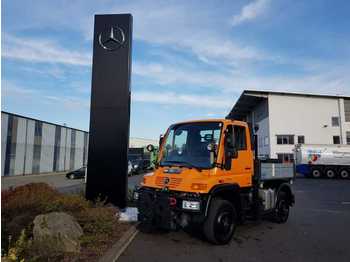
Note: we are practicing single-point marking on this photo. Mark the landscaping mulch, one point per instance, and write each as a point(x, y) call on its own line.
point(104, 243)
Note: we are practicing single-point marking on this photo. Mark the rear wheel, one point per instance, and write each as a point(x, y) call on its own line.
point(330, 173)
point(344, 173)
point(282, 208)
point(316, 172)
point(221, 222)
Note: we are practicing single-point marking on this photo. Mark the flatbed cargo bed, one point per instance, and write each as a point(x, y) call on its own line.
point(273, 171)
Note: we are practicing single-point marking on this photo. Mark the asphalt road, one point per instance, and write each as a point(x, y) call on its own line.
point(57, 180)
point(318, 230)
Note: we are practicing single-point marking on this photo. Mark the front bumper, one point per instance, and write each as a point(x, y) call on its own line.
point(164, 209)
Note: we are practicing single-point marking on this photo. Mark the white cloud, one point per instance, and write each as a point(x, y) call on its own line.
point(202, 35)
point(250, 11)
point(42, 50)
point(167, 74)
point(10, 89)
point(172, 98)
point(322, 80)
point(169, 24)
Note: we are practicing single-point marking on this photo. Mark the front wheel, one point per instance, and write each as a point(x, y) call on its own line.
point(221, 222)
point(71, 176)
point(282, 208)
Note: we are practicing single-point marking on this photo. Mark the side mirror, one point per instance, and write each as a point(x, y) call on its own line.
point(231, 151)
point(150, 148)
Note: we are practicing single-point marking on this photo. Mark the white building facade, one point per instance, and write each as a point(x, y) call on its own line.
point(286, 119)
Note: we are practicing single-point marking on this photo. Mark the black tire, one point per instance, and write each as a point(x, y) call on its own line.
point(281, 213)
point(71, 176)
point(316, 172)
point(330, 173)
point(221, 222)
point(344, 174)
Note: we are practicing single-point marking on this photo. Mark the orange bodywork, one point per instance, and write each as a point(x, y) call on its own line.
point(202, 181)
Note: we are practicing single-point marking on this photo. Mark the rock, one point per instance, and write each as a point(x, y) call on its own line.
point(58, 229)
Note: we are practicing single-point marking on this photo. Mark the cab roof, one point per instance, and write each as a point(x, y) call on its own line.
point(223, 120)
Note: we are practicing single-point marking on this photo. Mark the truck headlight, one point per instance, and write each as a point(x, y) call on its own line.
point(191, 205)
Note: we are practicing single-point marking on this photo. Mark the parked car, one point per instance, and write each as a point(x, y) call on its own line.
point(141, 165)
point(80, 173)
point(75, 174)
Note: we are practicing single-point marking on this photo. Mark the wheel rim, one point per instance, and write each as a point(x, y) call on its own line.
point(316, 173)
point(283, 210)
point(344, 174)
point(330, 174)
point(71, 176)
point(224, 225)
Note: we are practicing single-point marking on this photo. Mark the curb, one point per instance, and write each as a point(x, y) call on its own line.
point(118, 248)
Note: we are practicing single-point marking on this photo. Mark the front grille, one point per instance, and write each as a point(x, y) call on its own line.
point(173, 181)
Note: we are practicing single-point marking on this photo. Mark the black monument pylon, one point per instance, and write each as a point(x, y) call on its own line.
point(110, 109)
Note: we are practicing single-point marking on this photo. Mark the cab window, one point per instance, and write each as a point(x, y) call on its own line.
point(240, 137)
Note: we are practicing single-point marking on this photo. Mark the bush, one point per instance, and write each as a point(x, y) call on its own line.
point(22, 204)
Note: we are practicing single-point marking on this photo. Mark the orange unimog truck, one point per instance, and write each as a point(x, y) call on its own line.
point(207, 178)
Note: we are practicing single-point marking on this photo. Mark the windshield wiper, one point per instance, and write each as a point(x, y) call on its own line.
point(186, 164)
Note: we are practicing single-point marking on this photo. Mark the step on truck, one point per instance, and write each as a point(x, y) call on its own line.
point(206, 178)
point(328, 161)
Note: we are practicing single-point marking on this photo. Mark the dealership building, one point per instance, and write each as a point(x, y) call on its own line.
point(32, 146)
point(286, 119)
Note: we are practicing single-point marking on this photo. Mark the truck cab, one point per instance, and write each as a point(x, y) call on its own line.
point(206, 176)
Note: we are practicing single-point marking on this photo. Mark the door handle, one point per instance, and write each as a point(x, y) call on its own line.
point(248, 168)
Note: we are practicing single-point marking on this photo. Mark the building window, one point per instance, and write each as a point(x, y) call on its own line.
point(286, 157)
point(336, 140)
point(347, 109)
point(301, 139)
point(348, 137)
point(285, 139)
point(335, 121)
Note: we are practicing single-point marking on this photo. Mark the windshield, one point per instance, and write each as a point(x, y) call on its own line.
point(187, 144)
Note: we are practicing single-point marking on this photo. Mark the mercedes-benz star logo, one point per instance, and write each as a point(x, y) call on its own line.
point(112, 39)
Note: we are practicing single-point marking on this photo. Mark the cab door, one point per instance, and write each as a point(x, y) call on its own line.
point(242, 164)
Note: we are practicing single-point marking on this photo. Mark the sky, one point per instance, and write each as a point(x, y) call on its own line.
point(190, 59)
